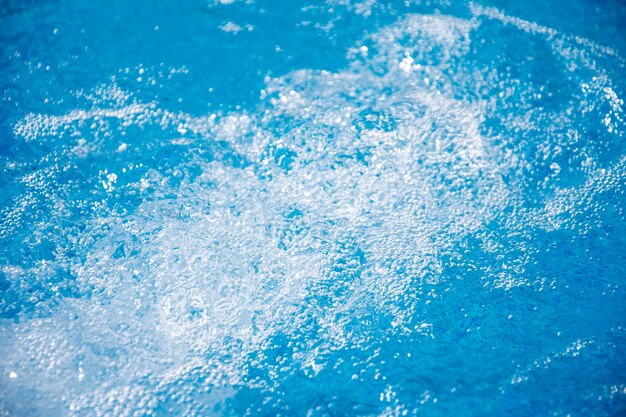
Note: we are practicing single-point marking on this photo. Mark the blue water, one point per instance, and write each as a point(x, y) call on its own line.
point(312, 208)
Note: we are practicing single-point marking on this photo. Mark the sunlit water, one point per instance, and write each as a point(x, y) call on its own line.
point(216, 208)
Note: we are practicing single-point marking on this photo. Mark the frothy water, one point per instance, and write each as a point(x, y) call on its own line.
point(434, 226)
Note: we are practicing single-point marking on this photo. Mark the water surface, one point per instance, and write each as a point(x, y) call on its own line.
point(225, 208)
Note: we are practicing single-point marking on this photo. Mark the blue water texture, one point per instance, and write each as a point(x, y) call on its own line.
point(312, 208)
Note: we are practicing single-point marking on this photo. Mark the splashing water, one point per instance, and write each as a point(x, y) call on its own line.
point(340, 208)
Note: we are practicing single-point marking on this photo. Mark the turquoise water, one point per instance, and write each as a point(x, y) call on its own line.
point(312, 208)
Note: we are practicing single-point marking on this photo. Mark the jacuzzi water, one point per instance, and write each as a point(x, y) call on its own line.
point(309, 208)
